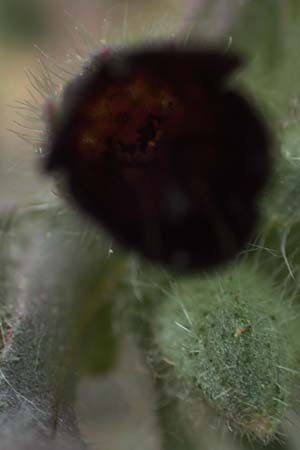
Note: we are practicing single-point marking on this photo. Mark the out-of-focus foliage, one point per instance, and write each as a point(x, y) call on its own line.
point(21, 22)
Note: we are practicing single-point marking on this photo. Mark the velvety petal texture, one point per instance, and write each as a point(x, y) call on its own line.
point(160, 150)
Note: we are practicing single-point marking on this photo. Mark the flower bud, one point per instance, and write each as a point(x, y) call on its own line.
point(162, 153)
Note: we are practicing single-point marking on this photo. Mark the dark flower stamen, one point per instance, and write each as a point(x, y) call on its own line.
point(157, 149)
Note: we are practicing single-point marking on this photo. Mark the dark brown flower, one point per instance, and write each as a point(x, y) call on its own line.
point(159, 150)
